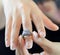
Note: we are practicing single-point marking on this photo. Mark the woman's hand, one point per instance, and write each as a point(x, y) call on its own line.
point(19, 12)
point(50, 48)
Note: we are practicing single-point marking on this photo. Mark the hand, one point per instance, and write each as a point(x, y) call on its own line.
point(19, 12)
point(50, 48)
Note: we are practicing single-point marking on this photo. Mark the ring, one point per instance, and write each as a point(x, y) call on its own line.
point(26, 33)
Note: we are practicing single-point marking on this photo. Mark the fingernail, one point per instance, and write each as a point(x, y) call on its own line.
point(12, 46)
point(28, 43)
point(57, 28)
point(7, 44)
point(42, 34)
point(35, 35)
point(36, 38)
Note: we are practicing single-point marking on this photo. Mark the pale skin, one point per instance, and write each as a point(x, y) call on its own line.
point(49, 47)
point(45, 50)
point(19, 12)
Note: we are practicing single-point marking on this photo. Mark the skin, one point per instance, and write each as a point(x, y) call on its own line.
point(19, 12)
point(49, 47)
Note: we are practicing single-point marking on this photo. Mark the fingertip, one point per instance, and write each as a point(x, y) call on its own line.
point(28, 44)
point(12, 47)
point(35, 35)
point(56, 28)
point(51, 26)
point(7, 40)
point(7, 44)
point(34, 32)
point(42, 33)
point(36, 38)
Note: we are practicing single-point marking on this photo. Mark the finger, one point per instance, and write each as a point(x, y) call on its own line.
point(8, 16)
point(37, 19)
point(49, 24)
point(26, 22)
point(21, 50)
point(20, 46)
point(28, 42)
point(8, 30)
point(16, 24)
point(44, 43)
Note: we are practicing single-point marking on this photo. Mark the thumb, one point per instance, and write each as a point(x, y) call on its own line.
point(43, 42)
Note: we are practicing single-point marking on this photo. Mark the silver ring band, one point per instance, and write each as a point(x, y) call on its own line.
point(26, 33)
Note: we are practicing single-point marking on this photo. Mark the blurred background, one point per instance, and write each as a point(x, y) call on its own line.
point(51, 35)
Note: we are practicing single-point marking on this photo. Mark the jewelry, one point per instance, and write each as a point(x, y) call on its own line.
point(26, 33)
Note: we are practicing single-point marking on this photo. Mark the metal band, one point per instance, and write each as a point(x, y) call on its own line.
point(26, 33)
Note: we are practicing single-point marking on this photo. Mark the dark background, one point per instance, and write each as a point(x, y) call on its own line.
point(53, 36)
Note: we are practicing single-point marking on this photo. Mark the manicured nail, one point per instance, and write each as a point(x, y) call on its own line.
point(28, 43)
point(35, 35)
point(7, 44)
point(42, 34)
point(57, 28)
point(12, 46)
